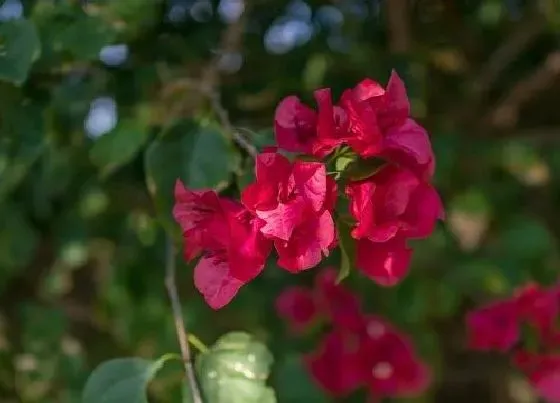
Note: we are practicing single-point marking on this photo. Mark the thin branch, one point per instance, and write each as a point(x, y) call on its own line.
point(521, 38)
point(506, 112)
point(182, 335)
point(399, 27)
point(223, 115)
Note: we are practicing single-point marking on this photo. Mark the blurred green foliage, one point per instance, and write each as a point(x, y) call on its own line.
point(100, 114)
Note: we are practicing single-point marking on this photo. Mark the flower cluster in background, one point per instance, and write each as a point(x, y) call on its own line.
point(526, 327)
point(358, 350)
point(291, 205)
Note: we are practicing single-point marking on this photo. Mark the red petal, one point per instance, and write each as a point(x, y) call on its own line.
point(308, 243)
point(248, 249)
point(409, 146)
point(367, 89)
point(294, 125)
point(396, 107)
point(386, 263)
point(311, 181)
point(281, 221)
point(493, 327)
point(212, 279)
point(297, 306)
point(335, 365)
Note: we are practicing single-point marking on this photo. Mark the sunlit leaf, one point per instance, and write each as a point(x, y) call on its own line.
point(235, 370)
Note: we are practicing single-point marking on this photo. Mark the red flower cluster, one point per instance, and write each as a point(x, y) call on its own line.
point(498, 327)
point(395, 203)
point(360, 350)
point(290, 205)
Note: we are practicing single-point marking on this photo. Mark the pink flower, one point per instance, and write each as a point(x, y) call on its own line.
point(543, 371)
point(493, 327)
point(390, 207)
point(539, 307)
point(293, 201)
point(336, 364)
point(299, 128)
point(298, 306)
point(376, 356)
point(392, 366)
point(386, 115)
point(386, 263)
point(393, 202)
point(228, 236)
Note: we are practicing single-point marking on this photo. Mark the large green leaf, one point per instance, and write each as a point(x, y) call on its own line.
point(19, 48)
point(118, 147)
point(122, 380)
point(199, 155)
point(85, 37)
point(235, 370)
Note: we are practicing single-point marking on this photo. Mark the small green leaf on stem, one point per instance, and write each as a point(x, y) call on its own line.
point(347, 249)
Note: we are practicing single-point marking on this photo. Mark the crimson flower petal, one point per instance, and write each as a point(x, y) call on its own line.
point(200, 215)
point(298, 307)
point(396, 106)
point(281, 222)
point(213, 281)
point(309, 241)
point(294, 125)
point(493, 327)
point(248, 249)
point(311, 182)
point(409, 146)
point(386, 263)
point(336, 364)
point(367, 89)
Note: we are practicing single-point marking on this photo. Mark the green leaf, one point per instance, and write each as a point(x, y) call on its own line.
point(198, 155)
point(118, 147)
point(347, 249)
point(22, 143)
point(235, 370)
point(122, 380)
point(526, 238)
point(85, 37)
point(19, 48)
point(360, 169)
point(294, 384)
point(18, 240)
point(342, 162)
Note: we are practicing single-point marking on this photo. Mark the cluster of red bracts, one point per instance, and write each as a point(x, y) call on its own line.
point(527, 328)
point(291, 204)
point(359, 350)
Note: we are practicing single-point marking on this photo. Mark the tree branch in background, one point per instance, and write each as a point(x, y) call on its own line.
point(208, 85)
point(506, 54)
point(399, 27)
point(182, 333)
point(223, 116)
point(505, 114)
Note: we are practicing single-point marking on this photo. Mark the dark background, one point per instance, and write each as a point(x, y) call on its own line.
point(89, 98)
